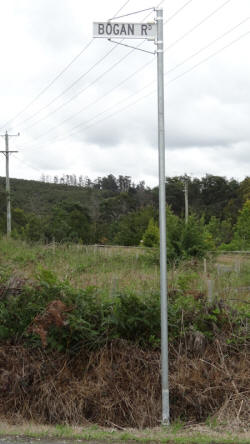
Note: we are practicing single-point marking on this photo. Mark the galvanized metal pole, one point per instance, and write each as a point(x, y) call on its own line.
point(7, 184)
point(162, 219)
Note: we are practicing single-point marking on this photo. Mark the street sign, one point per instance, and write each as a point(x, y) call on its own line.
point(152, 31)
point(125, 30)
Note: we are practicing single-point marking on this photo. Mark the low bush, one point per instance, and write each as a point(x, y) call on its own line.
point(52, 313)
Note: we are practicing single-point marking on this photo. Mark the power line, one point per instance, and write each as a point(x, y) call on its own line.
point(54, 80)
point(99, 98)
point(209, 57)
point(76, 81)
point(71, 86)
point(92, 83)
point(120, 9)
point(150, 83)
point(170, 81)
point(207, 17)
point(26, 164)
point(49, 85)
point(208, 45)
point(124, 57)
point(132, 13)
point(152, 92)
point(177, 11)
point(66, 90)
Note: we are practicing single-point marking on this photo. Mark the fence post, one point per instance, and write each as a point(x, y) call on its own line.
point(205, 265)
point(210, 288)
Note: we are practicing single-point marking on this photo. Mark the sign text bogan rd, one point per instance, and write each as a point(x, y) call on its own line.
point(124, 30)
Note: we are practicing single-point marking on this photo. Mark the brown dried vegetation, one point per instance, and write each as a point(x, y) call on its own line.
point(54, 314)
point(120, 385)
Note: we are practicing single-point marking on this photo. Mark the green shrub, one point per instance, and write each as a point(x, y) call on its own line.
point(93, 320)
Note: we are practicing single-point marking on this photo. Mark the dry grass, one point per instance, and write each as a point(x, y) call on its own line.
point(120, 386)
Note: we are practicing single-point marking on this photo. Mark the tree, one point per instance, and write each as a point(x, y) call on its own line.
point(69, 221)
point(109, 183)
point(193, 238)
point(34, 229)
point(219, 197)
point(151, 237)
point(130, 228)
point(245, 189)
point(220, 231)
point(173, 234)
point(242, 228)
point(175, 194)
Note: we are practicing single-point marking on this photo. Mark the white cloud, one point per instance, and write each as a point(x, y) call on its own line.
point(207, 109)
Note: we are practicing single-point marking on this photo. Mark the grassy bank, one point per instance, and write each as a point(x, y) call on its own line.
point(80, 336)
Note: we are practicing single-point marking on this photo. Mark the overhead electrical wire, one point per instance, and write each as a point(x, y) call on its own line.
point(206, 18)
point(153, 92)
point(173, 79)
point(64, 91)
point(170, 81)
point(132, 13)
point(121, 8)
point(93, 82)
point(86, 126)
point(26, 164)
point(79, 79)
point(124, 57)
point(48, 86)
point(203, 48)
point(177, 11)
point(88, 44)
point(69, 87)
point(55, 78)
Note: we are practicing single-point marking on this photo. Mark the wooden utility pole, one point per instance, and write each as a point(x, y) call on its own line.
point(7, 153)
point(186, 200)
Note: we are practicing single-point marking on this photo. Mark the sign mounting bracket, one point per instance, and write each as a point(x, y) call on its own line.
point(133, 47)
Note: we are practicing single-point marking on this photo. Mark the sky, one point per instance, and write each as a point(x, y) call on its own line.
point(88, 106)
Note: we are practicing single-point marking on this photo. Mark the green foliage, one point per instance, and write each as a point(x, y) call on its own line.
point(173, 235)
point(94, 319)
point(151, 236)
point(245, 189)
point(130, 228)
point(115, 211)
point(193, 239)
point(218, 232)
point(69, 222)
point(34, 230)
point(242, 228)
point(241, 237)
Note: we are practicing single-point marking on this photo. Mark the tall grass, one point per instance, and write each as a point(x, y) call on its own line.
point(117, 269)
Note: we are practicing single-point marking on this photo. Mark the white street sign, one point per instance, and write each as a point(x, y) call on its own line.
point(125, 30)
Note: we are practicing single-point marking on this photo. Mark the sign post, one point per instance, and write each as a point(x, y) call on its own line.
point(162, 218)
point(152, 31)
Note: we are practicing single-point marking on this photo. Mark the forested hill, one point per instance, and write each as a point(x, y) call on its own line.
point(114, 210)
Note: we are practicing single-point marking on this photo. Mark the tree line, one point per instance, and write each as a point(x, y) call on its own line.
point(114, 210)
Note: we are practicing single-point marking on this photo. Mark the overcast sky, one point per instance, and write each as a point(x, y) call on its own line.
point(97, 114)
